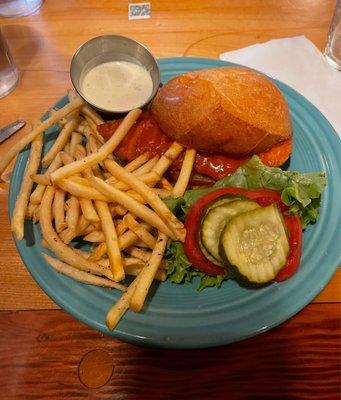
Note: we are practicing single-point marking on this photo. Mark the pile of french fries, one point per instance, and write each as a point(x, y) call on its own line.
point(84, 192)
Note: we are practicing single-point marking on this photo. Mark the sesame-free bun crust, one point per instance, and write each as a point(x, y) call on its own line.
point(232, 110)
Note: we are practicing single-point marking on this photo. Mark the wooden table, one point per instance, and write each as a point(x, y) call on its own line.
point(45, 353)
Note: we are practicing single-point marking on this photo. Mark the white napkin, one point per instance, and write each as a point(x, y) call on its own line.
point(297, 62)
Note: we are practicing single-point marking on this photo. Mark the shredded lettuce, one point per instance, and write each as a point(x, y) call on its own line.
point(300, 191)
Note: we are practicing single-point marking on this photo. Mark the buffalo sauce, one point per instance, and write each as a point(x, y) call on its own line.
point(147, 137)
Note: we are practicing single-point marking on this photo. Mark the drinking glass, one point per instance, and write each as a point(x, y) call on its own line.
point(333, 47)
point(9, 74)
point(19, 8)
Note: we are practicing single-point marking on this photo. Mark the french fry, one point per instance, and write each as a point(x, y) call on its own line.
point(94, 130)
point(132, 166)
point(150, 179)
point(97, 225)
point(80, 153)
point(25, 140)
point(87, 207)
point(58, 210)
point(83, 228)
point(185, 173)
point(38, 192)
point(153, 200)
point(98, 252)
point(127, 239)
point(112, 210)
point(93, 144)
point(43, 243)
point(72, 213)
point(95, 169)
point(148, 273)
point(139, 231)
point(61, 141)
point(91, 113)
point(136, 196)
point(138, 253)
point(134, 268)
point(83, 223)
point(94, 237)
point(66, 148)
point(36, 214)
point(126, 262)
point(62, 121)
point(167, 159)
point(30, 210)
point(137, 162)
point(66, 158)
point(67, 235)
point(106, 175)
point(121, 227)
point(102, 153)
point(83, 191)
point(162, 193)
point(132, 205)
point(117, 311)
point(160, 275)
point(88, 210)
point(81, 276)
point(84, 130)
point(82, 181)
point(140, 243)
point(88, 230)
point(145, 168)
point(111, 240)
point(18, 217)
point(76, 138)
point(81, 252)
point(64, 252)
point(143, 255)
point(165, 184)
point(41, 179)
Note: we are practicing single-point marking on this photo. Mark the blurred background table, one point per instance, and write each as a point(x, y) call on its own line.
point(45, 353)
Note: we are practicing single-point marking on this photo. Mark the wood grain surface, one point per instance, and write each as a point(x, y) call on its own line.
point(46, 354)
point(40, 353)
point(43, 44)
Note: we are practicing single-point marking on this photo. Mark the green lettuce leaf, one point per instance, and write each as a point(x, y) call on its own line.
point(300, 191)
point(180, 270)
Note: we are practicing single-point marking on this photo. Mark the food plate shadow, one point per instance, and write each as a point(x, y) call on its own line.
point(29, 234)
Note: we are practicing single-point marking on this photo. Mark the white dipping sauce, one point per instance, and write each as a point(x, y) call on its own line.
point(117, 85)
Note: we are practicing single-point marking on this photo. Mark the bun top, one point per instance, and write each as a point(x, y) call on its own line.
point(232, 110)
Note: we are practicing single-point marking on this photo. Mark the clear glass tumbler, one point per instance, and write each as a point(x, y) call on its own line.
point(9, 74)
point(333, 47)
point(19, 8)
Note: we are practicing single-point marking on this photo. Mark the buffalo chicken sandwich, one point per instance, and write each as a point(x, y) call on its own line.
point(227, 114)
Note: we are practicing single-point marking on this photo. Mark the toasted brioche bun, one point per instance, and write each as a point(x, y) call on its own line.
point(232, 110)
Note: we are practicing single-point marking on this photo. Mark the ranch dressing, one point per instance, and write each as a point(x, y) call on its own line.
point(117, 85)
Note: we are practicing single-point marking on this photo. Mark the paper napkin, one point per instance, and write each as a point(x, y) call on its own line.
point(299, 63)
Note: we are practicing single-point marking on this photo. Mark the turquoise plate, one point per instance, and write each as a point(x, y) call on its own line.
point(177, 316)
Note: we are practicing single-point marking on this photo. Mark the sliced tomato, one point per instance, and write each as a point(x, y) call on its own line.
point(193, 252)
point(294, 228)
